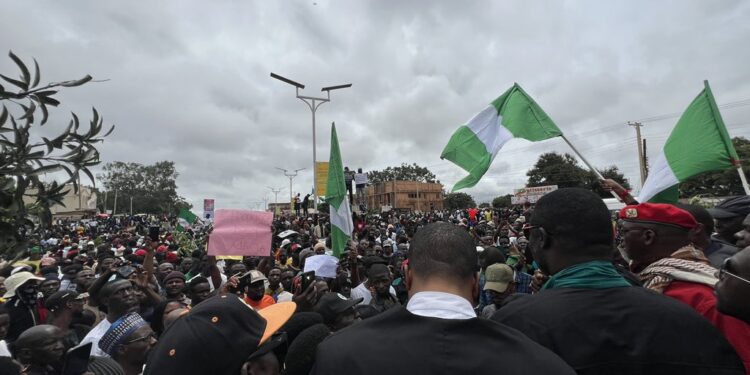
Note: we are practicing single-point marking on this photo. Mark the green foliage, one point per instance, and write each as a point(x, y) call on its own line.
point(25, 155)
point(502, 201)
point(564, 171)
point(484, 205)
point(720, 183)
point(405, 172)
point(458, 201)
point(153, 188)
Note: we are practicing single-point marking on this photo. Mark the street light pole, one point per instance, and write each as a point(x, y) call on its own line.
point(313, 103)
point(291, 176)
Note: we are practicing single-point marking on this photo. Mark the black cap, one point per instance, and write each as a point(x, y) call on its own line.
point(215, 337)
point(731, 207)
point(60, 298)
point(331, 305)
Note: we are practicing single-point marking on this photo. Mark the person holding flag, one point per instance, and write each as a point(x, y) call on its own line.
point(340, 211)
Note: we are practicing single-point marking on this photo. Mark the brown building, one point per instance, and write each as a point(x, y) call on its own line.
point(405, 195)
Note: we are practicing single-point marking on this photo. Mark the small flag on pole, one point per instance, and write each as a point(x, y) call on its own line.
point(341, 214)
point(185, 219)
point(698, 143)
point(514, 114)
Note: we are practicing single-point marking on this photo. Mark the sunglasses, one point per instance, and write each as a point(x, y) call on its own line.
point(151, 335)
point(722, 273)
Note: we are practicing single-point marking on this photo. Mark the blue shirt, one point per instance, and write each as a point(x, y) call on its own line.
point(523, 280)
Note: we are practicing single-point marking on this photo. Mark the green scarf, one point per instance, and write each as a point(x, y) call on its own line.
point(597, 274)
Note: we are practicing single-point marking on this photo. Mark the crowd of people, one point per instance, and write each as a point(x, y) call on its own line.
point(559, 287)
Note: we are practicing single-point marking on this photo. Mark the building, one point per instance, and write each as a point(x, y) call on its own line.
point(76, 205)
point(405, 195)
point(278, 207)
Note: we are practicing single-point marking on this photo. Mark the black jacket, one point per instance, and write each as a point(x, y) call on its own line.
point(22, 317)
point(628, 330)
point(399, 342)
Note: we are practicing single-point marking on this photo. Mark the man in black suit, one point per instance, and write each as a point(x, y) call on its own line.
point(592, 317)
point(438, 331)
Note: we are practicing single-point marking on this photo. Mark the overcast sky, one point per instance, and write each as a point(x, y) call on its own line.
point(189, 80)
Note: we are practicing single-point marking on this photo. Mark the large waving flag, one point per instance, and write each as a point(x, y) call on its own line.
point(341, 214)
point(698, 143)
point(514, 114)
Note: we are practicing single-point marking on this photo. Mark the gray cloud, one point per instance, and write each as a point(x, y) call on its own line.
point(189, 82)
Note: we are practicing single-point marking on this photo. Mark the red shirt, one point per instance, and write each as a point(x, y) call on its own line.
point(262, 304)
point(701, 298)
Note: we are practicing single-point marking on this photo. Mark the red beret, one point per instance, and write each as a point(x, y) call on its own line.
point(141, 253)
point(162, 248)
point(659, 213)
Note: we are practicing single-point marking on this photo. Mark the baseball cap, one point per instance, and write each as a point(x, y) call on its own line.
point(497, 277)
point(332, 304)
point(285, 242)
point(254, 276)
point(17, 279)
point(216, 336)
point(60, 298)
point(731, 207)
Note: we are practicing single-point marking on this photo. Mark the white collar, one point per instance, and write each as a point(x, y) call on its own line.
point(440, 305)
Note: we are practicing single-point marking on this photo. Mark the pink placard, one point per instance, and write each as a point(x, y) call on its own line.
point(241, 232)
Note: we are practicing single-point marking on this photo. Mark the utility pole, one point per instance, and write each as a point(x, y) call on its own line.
point(131, 205)
point(637, 126)
point(114, 209)
point(645, 158)
point(291, 176)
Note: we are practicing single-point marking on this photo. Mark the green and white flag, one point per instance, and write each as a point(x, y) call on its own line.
point(698, 143)
point(185, 219)
point(514, 114)
point(341, 214)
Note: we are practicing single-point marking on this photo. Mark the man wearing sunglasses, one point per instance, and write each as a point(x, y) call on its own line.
point(128, 341)
point(657, 239)
point(733, 288)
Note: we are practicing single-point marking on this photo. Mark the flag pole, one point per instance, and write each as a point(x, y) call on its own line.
point(743, 179)
point(589, 165)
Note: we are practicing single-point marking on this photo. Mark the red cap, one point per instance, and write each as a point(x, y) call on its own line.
point(140, 253)
point(162, 248)
point(659, 213)
point(171, 257)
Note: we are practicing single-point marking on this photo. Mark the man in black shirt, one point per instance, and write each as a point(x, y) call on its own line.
point(591, 317)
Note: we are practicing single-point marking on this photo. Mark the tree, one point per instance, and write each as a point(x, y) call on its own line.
point(458, 201)
point(484, 205)
point(611, 172)
point(405, 172)
point(720, 183)
point(502, 201)
point(153, 188)
point(564, 171)
point(25, 154)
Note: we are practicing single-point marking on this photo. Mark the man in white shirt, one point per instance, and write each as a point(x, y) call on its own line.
point(119, 298)
point(443, 282)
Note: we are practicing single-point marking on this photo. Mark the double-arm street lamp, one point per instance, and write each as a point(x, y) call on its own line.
point(313, 103)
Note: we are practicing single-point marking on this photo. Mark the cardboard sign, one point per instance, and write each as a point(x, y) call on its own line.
point(241, 232)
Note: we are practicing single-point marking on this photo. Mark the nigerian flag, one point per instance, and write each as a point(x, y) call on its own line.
point(513, 115)
point(185, 219)
point(698, 143)
point(341, 214)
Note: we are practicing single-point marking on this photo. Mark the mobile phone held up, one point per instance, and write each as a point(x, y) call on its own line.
point(153, 232)
point(307, 279)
